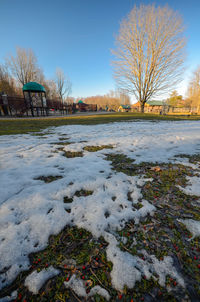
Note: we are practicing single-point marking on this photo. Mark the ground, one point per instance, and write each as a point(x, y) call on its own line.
point(106, 212)
point(27, 125)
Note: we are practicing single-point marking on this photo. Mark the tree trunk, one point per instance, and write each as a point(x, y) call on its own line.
point(142, 107)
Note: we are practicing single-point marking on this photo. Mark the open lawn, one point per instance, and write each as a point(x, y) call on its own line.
point(100, 212)
point(26, 125)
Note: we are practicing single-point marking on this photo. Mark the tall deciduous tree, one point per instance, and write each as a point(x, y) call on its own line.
point(149, 52)
point(24, 66)
point(63, 83)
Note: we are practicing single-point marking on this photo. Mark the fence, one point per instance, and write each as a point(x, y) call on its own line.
point(17, 106)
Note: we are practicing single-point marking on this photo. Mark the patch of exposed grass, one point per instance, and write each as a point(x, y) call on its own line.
point(48, 179)
point(83, 193)
point(122, 163)
point(69, 154)
point(195, 158)
point(67, 199)
point(63, 138)
point(79, 193)
point(72, 154)
point(97, 148)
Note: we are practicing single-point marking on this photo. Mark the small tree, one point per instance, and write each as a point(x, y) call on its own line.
point(63, 83)
point(24, 66)
point(194, 88)
point(149, 52)
point(175, 99)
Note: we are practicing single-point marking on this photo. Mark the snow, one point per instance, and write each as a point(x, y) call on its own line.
point(192, 225)
point(193, 186)
point(9, 298)
point(35, 280)
point(78, 286)
point(100, 291)
point(128, 269)
point(31, 210)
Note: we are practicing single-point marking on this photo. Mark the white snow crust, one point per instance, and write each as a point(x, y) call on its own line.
point(100, 291)
point(193, 186)
point(9, 298)
point(35, 280)
point(78, 286)
point(31, 210)
point(128, 269)
point(192, 225)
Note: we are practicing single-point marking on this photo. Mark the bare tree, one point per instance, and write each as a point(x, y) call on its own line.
point(51, 89)
point(123, 97)
point(63, 83)
point(110, 101)
point(149, 52)
point(7, 84)
point(24, 66)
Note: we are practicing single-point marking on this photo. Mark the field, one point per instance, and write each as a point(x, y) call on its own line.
point(100, 208)
point(27, 125)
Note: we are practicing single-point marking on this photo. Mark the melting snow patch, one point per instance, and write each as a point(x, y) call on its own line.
point(36, 280)
point(128, 269)
point(192, 225)
point(100, 291)
point(9, 298)
point(77, 285)
point(193, 188)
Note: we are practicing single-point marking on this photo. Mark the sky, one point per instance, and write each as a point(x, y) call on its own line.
point(78, 35)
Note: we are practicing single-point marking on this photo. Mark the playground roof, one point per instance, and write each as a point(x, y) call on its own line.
point(33, 86)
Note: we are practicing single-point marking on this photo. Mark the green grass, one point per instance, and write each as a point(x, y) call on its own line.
point(26, 125)
point(97, 148)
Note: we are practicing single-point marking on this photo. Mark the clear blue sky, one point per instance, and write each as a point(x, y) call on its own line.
point(77, 35)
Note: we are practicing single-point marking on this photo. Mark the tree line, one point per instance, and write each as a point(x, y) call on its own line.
point(110, 101)
point(23, 68)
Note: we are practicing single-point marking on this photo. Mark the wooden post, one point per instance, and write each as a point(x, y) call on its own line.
point(31, 104)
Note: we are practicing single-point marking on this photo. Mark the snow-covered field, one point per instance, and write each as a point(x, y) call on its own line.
point(31, 210)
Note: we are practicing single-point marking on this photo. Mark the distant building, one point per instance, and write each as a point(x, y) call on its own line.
point(150, 106)
point(124, 108)
point(83, 107)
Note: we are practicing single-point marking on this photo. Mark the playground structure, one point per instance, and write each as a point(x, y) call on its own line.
point(34, 103)
point(35, 99)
